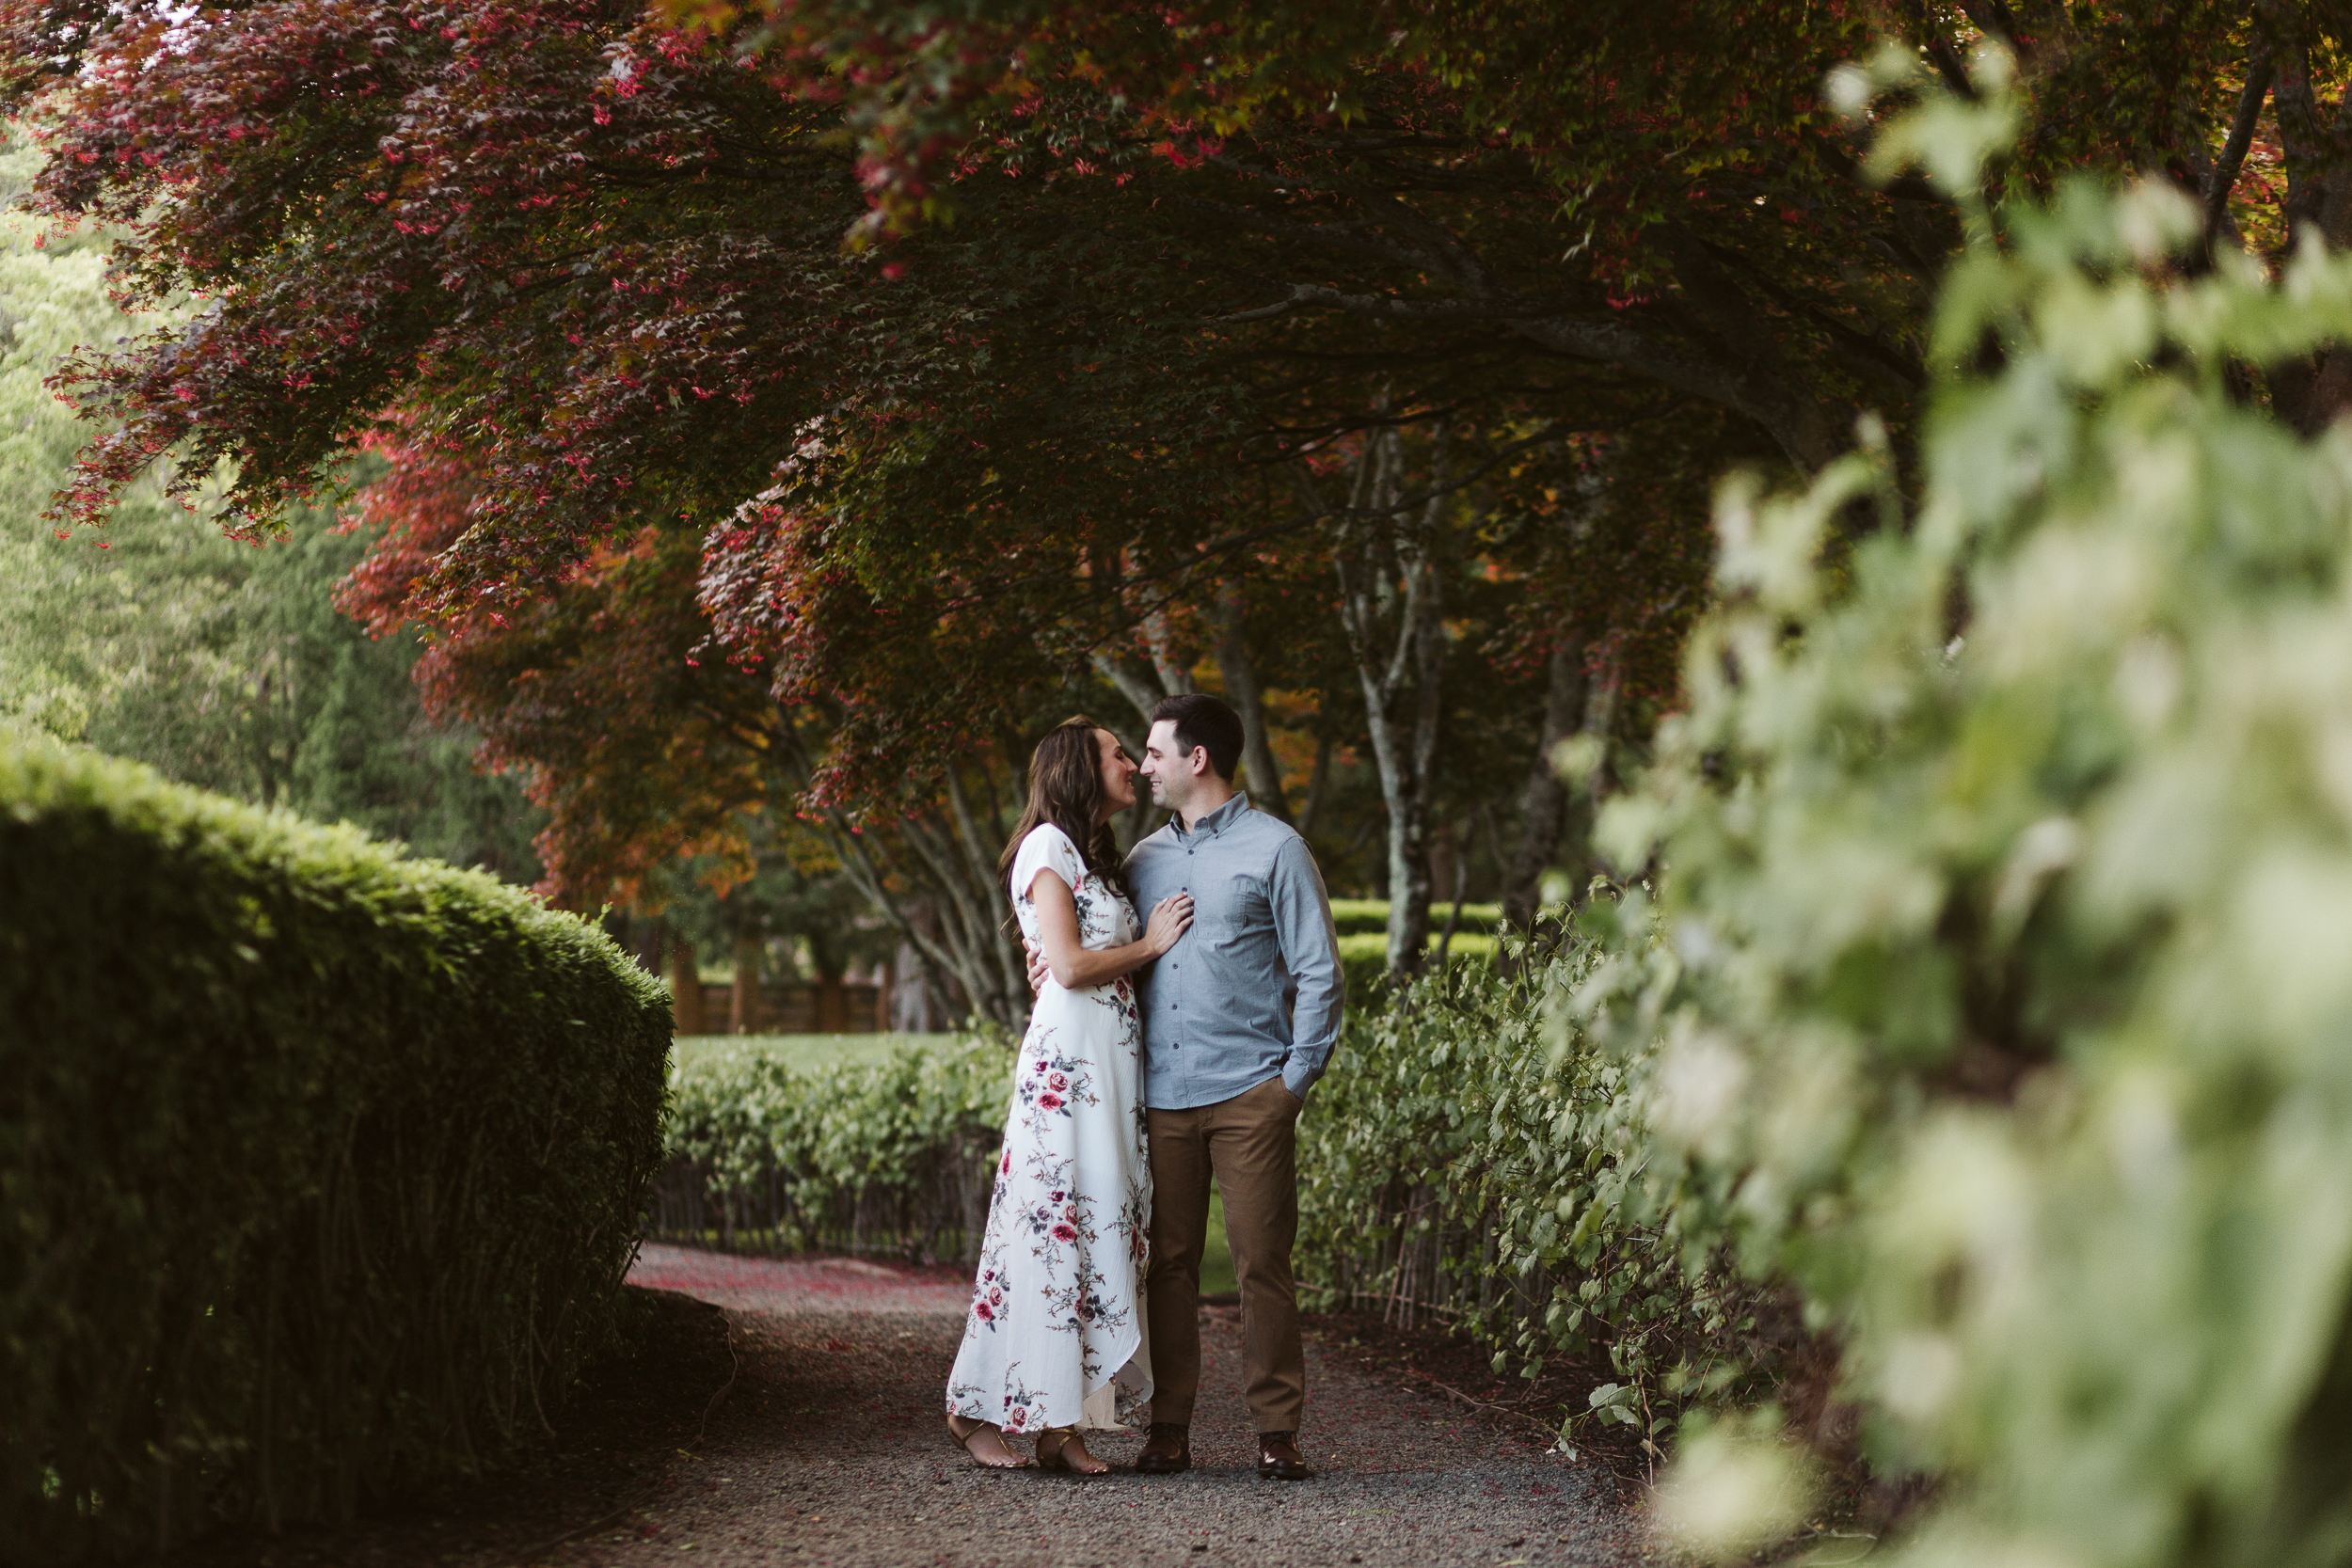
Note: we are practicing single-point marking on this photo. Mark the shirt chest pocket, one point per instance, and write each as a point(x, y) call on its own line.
point(1232, 911)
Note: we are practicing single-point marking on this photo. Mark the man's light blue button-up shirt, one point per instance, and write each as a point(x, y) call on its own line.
point(1253, 988)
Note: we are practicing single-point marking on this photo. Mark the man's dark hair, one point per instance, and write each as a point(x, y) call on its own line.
point(1203, 720)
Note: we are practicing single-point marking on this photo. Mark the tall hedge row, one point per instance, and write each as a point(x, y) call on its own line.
point(319, 1167)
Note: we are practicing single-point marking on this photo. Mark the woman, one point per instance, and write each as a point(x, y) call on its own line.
point(1054, 1337)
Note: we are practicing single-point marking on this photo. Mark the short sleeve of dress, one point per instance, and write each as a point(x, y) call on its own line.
point(1046, 848)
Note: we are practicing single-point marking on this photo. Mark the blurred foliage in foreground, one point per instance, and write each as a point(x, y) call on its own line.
point(1994, 989)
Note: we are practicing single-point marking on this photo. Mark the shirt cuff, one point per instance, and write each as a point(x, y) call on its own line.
point(1297, 1079)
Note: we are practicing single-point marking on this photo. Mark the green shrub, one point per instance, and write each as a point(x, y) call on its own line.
point(895, 1156)
point(319, 1167)
point(1997, 981)
point(1455, 1168)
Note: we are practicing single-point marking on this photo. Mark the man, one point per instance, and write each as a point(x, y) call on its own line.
point(1239, 1018)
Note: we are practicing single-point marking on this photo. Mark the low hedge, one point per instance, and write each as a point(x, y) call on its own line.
point(893, 1156)
point(1359, 917)
point(1464, 1163)
point(320, 1167)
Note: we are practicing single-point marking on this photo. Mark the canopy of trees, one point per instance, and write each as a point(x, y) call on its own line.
point(792, 409)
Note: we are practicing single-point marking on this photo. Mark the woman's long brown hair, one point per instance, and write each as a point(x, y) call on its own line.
point(1066, 789)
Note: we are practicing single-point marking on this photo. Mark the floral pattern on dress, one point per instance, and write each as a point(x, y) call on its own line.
point(1052, 1082)
point(1054, 1332)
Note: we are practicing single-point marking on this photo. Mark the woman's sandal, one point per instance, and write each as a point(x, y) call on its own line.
point(962, 1438)
point(1053, 1453)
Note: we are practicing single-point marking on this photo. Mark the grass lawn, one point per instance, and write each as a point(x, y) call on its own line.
point(804, 1050)
point(1373, 947)
point(1370, 916)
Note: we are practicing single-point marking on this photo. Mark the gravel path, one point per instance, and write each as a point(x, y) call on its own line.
point(829, 1449)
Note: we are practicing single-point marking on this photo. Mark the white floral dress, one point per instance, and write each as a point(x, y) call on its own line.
point(1056, 1334)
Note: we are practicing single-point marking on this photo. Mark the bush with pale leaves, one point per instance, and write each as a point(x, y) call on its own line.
point(1997, 984)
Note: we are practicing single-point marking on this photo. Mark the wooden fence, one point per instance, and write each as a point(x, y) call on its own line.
point(802, 1007)
point(934, 1210)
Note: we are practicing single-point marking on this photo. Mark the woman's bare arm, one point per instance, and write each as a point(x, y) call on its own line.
point(1076, 967)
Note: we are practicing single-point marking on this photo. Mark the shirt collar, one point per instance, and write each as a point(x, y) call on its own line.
point(1217, 820)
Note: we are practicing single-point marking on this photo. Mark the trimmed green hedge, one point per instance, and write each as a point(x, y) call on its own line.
point(1357, 917)
point(319, 1167)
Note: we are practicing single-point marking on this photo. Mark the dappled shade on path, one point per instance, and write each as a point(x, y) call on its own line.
point(830, 1449)
point(826, 1446)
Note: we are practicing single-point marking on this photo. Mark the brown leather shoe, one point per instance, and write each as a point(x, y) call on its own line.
point(1279, 1458)
point(1166, 1452)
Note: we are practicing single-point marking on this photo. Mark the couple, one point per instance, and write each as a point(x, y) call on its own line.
point(1086, 1307)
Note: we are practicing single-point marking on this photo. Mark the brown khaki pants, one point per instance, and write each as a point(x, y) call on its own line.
point(1250, 1143)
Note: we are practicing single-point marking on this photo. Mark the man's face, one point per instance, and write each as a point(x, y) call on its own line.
point(1168, 768)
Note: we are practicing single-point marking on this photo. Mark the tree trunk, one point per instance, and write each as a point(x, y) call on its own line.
point(1318, 783)
point(1404, 762)
point(955, 934)
point(1457, 875)
point(1392, 592)
point(1767, 388)
point(1174, 678)
point(646, 939)
point(744, 1005)
point(1130, 683)
point(1544, 801)
point(686, 988)
point(1012, 976)
point(1258, 768)
point(966, 915)
point(1168, 676)
point(833, 1005)
point(1599, 727)
point(944, 903)
point(2311, 394)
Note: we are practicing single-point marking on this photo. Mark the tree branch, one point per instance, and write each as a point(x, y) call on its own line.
point(1175, 680)
point(1544, 800)
point(1317, 297)
point(2222, 177)
point(1995, 20)
point(984, 874)
point(1789, 420)
point(1115, 669)
point(1241, 685)
point(1947, 61)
